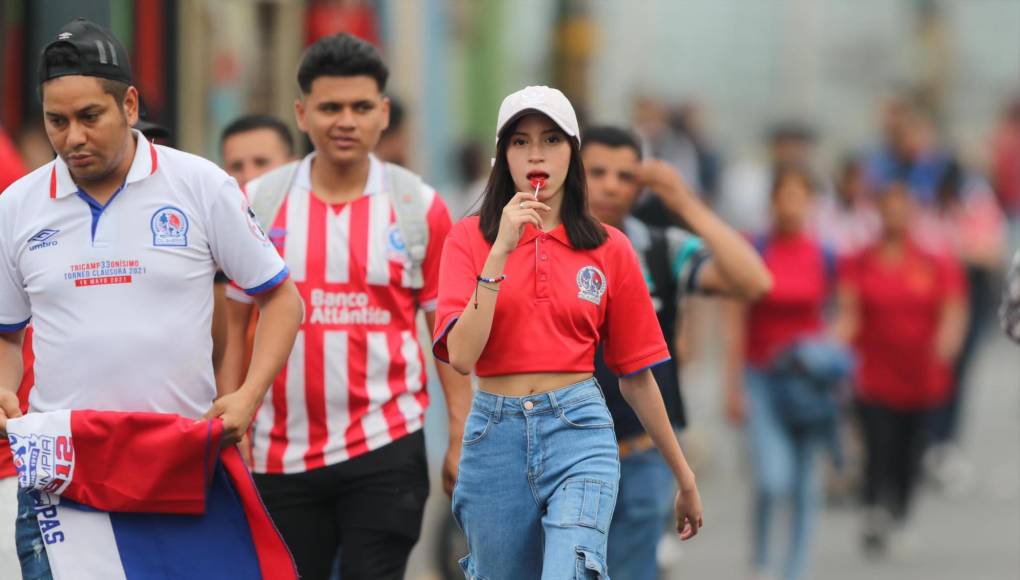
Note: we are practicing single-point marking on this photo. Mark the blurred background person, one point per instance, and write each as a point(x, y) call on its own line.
point(847, 220)
point(676, 263)
point(903, 307)
point(689, 119)
point(395, 142)
point(1006, 165)
point(11, 166)
point(255, 144)
point(32, 144)
point(782, 457)
point(911, 151)
point(472, 173)
point(965, 222)
point(745, 196)
point(1009, 311)
point(250, 146)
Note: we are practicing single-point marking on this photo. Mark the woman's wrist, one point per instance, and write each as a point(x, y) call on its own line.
point(686, 480)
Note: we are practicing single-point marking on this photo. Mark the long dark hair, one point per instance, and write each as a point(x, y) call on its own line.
point(584, 231)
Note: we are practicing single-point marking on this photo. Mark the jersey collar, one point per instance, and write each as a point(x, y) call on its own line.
point(145, 163)
point(559, 233)
point(375, 183)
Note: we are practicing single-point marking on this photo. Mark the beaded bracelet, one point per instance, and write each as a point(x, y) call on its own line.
point(483, 280)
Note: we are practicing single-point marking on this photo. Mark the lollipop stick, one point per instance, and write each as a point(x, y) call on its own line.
point(537, 184)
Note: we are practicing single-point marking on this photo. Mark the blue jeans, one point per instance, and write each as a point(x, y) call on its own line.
point(537, 485)
point(35, 565)
point(643, 510)
point(783, 472)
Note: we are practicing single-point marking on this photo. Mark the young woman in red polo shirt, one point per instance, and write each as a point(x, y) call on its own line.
point(528, 288)
point(903, 308)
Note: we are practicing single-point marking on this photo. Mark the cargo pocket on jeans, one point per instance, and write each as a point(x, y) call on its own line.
point(585, 502)
point(590, 566)
point(468, 568)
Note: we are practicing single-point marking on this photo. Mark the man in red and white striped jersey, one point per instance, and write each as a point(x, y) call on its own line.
point(338, 448)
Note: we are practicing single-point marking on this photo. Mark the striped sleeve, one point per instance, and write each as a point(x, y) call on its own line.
point(689, 254)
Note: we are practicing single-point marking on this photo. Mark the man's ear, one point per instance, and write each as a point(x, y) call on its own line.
point(299, 113)
point(130, 105)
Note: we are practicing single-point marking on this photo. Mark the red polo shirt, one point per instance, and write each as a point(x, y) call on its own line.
point(555, 305)
point(793, 308)
point(901, 304)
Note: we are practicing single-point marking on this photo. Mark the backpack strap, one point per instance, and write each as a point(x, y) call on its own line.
point(405, 191)
point(272, 188)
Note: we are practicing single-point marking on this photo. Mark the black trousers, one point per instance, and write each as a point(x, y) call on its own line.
point(368, 508)
point(895, 442)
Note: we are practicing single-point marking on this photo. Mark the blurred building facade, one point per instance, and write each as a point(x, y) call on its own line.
point(199, 63)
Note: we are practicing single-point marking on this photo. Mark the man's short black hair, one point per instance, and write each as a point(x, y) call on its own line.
point(341, 55)
point(62, 55)
point(255, 122)
point(611, 137)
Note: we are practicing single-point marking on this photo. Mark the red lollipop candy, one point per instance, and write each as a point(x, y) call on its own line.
point(537, 183)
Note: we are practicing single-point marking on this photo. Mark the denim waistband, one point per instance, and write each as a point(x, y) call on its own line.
point(549, 401)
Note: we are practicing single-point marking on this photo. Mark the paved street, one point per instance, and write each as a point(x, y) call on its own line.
point(975, 536)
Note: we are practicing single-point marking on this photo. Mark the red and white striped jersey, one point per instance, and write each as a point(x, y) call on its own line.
point(355, 379)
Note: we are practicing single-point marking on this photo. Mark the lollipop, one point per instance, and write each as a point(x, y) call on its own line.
point(537, 183)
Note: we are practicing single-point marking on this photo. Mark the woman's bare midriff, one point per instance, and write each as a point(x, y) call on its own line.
point(526, 384)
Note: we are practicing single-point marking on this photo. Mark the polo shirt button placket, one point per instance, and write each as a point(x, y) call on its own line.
point(543, 267)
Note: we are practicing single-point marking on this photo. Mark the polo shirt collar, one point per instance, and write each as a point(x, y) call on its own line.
point(143, 165)
point(559, 233)
point(375, 183)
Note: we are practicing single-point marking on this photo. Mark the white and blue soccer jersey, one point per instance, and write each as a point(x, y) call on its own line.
point(120, 296)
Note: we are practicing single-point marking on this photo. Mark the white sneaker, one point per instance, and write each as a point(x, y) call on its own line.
point(903, 542)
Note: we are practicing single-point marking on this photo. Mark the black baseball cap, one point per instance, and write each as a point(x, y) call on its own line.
point(100, 54)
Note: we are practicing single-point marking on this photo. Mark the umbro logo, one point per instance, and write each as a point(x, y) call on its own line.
point(43, 239)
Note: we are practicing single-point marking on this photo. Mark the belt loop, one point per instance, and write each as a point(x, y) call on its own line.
point(497, 413)
point(554, 404)
point(598, 386)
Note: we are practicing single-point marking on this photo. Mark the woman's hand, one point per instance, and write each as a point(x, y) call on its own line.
point(522, 210)
point(688, 511)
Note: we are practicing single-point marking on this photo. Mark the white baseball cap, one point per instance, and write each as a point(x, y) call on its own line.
point(541, 99)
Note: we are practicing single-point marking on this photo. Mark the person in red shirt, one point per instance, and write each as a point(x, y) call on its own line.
point(11, 169)
point(528, 288)
point(902, 306)
point(783, 458)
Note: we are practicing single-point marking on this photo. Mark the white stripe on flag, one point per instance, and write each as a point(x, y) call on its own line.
point(88, 548)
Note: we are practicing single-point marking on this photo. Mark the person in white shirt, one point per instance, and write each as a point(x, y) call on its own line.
point(110, 251)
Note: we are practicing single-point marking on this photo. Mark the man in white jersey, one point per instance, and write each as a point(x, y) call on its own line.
point(110, 251)
point(339, 454)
